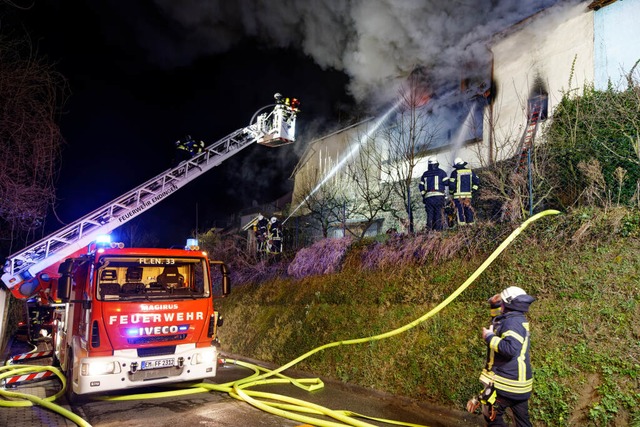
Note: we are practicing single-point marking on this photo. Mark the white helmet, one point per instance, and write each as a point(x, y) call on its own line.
point(273, 219)
point(260, 217)
point(433, 160)
point(512, 292)
point(458, 161)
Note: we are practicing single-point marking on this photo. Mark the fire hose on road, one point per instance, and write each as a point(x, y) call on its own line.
point(285, 406)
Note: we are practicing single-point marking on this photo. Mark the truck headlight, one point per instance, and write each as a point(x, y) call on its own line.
point(203, 357)
point(99, 368)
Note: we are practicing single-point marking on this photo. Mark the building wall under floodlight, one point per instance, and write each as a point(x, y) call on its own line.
point(616, 44)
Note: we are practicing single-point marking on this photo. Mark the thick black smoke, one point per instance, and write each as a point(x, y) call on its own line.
point(377, 43)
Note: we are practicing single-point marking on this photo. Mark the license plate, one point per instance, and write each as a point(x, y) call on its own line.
point(160, 363)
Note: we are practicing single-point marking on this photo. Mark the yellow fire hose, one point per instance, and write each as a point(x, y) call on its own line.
point(29, 399)
point(291, 408)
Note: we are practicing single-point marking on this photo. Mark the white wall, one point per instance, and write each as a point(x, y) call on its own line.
point(617, 41)
point(545, 45)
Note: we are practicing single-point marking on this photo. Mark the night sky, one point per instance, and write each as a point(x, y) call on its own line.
point(144, 73)
point(124, 114)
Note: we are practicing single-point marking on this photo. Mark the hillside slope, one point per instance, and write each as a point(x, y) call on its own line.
point(583, 268)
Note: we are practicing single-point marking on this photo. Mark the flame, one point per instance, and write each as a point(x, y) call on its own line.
point(417, 90)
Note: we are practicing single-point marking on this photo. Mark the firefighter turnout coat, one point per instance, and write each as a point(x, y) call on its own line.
point(508, 364)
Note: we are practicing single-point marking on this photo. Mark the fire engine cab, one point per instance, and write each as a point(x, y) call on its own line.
point(134, 317)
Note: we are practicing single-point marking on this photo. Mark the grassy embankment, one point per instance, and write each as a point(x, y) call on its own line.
point(583, 268)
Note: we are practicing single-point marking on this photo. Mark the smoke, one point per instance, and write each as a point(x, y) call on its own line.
point(377, 43)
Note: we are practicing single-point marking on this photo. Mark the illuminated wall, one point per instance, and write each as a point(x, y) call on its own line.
point(617, 36)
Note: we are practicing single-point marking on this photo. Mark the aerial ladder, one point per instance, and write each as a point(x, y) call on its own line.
point(28, 272)
point(528, 137)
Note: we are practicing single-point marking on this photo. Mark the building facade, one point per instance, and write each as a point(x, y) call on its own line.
point(552, 53)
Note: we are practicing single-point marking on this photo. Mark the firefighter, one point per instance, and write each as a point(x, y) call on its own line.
point(463, 183)
point(261, 231)
point(275, 236)
point(197, 148)
point(183, 150)
point(433, 185)
point(507, 377)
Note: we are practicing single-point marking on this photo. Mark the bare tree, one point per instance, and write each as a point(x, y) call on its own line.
point(409, 133)
point(32, 94)
point(368, 196)
point(322, 200)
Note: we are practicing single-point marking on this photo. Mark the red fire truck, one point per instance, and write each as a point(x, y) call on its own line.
point(134, 317)
point(130, 317)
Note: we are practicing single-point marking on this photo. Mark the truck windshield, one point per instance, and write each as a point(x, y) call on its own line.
point(127, 278)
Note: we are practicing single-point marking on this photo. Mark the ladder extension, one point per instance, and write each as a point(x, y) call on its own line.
point(272, 129)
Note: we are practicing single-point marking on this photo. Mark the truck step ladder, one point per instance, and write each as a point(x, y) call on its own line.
point(30, 378)
point(27, 357)
point(35, 358)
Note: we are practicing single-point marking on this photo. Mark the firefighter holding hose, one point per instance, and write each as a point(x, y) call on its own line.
point(463, 183)
point(507, 377)
point(433, 185)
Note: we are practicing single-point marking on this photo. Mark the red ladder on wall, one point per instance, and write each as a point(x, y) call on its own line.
point(529, 135)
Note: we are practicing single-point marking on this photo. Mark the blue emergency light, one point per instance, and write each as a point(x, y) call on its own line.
point(103, 240)
point(192, 244)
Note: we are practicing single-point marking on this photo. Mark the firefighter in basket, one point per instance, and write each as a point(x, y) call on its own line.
point(275, 236)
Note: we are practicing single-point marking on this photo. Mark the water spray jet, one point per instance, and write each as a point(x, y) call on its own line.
point(351, 152)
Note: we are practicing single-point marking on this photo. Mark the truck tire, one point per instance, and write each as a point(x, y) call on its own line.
point(72, 398)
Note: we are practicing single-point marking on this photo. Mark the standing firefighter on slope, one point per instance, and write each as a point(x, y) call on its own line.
point(463, 183)
point(507, 377)
point(261, 230)
point(432, 187)
point(275, 236)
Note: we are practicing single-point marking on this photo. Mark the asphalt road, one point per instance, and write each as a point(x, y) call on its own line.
point(216, 408)
point(221, 410)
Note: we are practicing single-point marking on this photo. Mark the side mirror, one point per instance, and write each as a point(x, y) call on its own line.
point(65, 280)
point(226, 281)
point(64, 288)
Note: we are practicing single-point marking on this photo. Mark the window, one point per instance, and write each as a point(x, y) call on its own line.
point(541, 103)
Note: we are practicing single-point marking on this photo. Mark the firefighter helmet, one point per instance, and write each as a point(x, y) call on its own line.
point(260, 217)
point(273, 220)
point(458, 161)
point(511, 293)
point(433, 160)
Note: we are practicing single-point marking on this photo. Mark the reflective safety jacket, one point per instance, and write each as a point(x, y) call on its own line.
point(463, 181)
point(275, 231)
point(508, 364)
point(181, 145)
point(433, 182)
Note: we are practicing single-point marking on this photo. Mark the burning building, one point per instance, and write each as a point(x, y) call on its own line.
point(484, 111)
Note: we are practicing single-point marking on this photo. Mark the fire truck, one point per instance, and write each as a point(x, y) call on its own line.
point(131, 317)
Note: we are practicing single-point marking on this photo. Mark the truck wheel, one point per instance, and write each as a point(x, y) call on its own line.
point(55, 362)
point(72, 398)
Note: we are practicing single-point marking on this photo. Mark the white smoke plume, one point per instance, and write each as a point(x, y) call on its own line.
point(377, 43)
